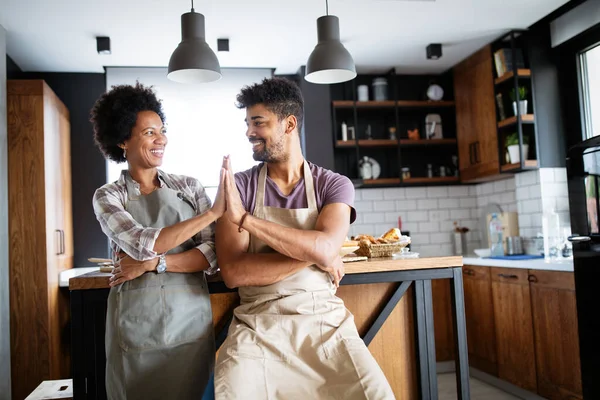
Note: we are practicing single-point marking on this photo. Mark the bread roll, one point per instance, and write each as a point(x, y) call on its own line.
point(393, 235)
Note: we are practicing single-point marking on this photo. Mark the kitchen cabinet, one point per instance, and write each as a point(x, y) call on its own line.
point(514, 327)
point(479, 311)
point(476, 117)
point(40, 232)
point(445, 350)
point(556, 336)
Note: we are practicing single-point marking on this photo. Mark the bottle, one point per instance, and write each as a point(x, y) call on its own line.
point(496, 241)
point(344, 131)
point(429, 171)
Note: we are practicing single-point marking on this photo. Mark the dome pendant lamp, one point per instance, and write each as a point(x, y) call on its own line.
point(193, 61)
point(329, 62)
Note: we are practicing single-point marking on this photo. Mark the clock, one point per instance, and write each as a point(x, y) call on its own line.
point(435, 92)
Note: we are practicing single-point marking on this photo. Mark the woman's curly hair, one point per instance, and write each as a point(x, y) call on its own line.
point(115, 113)
point(281, 96)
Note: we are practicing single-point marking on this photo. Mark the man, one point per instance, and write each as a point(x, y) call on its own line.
point(286, 219)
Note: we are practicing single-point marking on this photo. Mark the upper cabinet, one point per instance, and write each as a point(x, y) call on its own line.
point(40, 231)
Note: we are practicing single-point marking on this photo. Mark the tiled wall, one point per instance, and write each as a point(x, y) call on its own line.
point(429, 212)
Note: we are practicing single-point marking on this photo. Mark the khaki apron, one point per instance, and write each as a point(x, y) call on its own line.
point(295, 339)
point(159, 331)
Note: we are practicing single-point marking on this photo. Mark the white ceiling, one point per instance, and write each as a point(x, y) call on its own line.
point(59, 35)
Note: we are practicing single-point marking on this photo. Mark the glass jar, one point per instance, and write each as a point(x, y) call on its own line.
point(405, 173)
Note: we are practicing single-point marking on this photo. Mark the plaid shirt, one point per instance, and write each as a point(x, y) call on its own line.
point(126, 234)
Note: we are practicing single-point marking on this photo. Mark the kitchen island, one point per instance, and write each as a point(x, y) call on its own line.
point(397, 329)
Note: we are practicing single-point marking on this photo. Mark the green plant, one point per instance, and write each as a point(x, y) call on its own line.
point(522, 93)
point(513, 139)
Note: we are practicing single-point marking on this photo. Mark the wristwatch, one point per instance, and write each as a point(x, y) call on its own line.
point(161, 267)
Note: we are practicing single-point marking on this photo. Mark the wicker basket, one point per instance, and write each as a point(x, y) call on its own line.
point(379, 250)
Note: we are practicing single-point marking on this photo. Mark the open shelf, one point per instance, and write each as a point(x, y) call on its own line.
point(391, 104)
point(521, 73)
point(367, 143)
point(437, 179)
point(426, 142)
point(382, 181)
point(527, 118)
point(516, 166)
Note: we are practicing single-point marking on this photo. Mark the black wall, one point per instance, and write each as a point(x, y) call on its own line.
point(79, 91)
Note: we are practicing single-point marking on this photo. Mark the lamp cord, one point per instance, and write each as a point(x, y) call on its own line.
point(326, 7)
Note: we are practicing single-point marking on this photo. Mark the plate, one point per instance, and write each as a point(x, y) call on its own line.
point(405, 253)
point(348, 250)
point(376, 168)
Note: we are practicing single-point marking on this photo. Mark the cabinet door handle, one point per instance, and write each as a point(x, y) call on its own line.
point(508, 276)
point(62, 241)
point(471, 162)
point(469, 272)
point(532, 278)
point(477, 159)
point(58, 242)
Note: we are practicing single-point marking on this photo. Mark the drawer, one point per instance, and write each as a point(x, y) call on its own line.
point(476, 272)
point(510, 275)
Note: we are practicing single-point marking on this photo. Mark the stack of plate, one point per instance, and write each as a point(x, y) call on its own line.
point(105, 264)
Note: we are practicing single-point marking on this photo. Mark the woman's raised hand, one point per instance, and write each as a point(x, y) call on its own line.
point(220, 204)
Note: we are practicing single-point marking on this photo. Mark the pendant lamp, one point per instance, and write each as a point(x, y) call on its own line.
point(193, 61)
point(329, 62)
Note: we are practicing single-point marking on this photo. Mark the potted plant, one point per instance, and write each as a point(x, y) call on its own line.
point(522, 98)
point(512, 145)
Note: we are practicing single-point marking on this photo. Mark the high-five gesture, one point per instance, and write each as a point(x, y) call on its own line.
point(235, 208)
point(220, 204)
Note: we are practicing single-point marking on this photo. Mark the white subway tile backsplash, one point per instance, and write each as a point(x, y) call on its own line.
point(362, 229)
point(535, 191)
point(442, 238)
point(363, 206)
point(560, 174)
point(380, 229)
point(554, 189)
point(476, 213)
point(524, 221)
point(416, 193)
point(473, 190)
point(460, 214)
point(499, 186)
point(507, 197)
point(528, 178)
point(458, 191)
point(427, 227)
point(448, 203)
point(548, 203)
point(406, 205)
point(373, 217)
point(387, 205)
point(357, 195)
point(391, 217)
point(468, 202)
point(416, 216)
point(546, 175)
point(435, 192)
point(522, 193)
point(510, 184)
point(419, 238)
point(372, 194)
point(530, 206)
point(487, 188)
point(394, 193)
point(428, 204)
point(439, 215)
point(562, 204)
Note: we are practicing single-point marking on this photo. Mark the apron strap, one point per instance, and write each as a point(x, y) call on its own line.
point(262, 184)
point(309, 187)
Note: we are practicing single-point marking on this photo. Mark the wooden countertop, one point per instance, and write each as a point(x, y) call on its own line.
point(99, 280)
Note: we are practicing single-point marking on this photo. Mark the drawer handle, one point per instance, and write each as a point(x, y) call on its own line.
point(532, 278)
point(508, 276)
point(469, 272)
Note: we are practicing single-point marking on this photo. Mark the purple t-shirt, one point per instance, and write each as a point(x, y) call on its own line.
point(330, 187)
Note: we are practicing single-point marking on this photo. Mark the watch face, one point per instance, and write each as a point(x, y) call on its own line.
point(161, 267)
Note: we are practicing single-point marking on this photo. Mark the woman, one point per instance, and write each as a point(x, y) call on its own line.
point(159, 332)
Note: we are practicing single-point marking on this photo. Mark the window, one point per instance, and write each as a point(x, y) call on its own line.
point(589, 62)
point(202, 122)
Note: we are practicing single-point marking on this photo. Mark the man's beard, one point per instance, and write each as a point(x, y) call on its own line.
point(275, 153)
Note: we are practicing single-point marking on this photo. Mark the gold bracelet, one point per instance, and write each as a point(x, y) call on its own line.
point(242, 222)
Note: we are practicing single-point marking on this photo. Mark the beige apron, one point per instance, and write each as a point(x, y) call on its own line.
point(159, 331)
point(295, 339)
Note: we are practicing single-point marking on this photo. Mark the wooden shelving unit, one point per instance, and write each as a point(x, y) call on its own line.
point(391, 104)
point(425, 142)
point(527, 118)
point(521, 73)
point(367, 143)
point(511, 167)
point(438, 179)
point(382, 181)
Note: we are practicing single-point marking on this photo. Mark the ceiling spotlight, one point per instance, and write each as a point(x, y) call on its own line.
point(434, 51)
point(193, 61)
point(222, 44)
point(103, 44)
point(329, 62)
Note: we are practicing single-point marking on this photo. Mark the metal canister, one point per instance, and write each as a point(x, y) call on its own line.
point(514, 245)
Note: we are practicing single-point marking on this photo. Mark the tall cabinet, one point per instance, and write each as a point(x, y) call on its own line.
point(40, 232)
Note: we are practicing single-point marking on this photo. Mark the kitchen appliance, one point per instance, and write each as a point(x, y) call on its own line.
point(583, 178)
point(514, 245)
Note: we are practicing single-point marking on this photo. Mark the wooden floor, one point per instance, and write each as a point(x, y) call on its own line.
point(479, 389)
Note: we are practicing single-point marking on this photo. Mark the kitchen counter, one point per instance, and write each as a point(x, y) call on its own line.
point(391, 300)
point(538, 263)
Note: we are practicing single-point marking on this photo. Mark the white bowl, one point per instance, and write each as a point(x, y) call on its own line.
point(347, 250)
point(483, 252)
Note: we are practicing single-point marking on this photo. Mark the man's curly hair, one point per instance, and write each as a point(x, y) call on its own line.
point(115, 113)
point(279, 95)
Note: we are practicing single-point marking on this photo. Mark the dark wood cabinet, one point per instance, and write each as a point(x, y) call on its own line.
point(476, 117)
point(40, 231)
point(514, 327)
point(479, 311)
point(556, 337)
point(445, 350)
